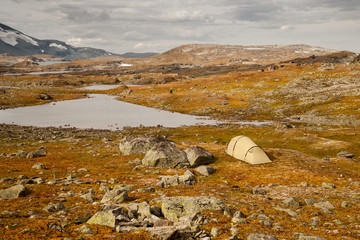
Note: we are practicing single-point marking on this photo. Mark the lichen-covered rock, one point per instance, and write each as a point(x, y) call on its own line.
point(14, 192)
point(169, 181)
point(199, 156)
point(115, 196)
point(22, 154)
point(103, 218)
point(174, 208)
point(139, 144)
point(165, 154)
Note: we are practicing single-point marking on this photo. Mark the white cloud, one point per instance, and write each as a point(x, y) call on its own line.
point(76, 42)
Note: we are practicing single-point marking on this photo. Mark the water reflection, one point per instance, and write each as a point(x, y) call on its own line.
point(99, 111)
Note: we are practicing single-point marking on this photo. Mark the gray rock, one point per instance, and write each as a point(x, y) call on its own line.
point(234, 231)
point(288, 211)
point(88, 197)
point(140, 144)
point(328, 185)
point(169, 181)
point(174, 208)
point(22, 154)
point(238, 220)
point(259, 191)
point(82, 170)
point(205, 170)
point(310, 201)
point(345, 204)
point(123, 187)
point(239, 214)
point(326, 205)
point(38, 166)
point(115, 196)
point(301, 236)
point(16, 191)
point(199, 156)
point(260, 236)
point(103, 218)
point(215, 232)
point(291, 202)
point(53, 207)
point(165, 154)
point(85, 229)
point(345, 154)
point(37, 153)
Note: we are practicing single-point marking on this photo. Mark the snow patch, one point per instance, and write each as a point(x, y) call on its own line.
point(126, 65)
point(58, 46)
point(11, 38)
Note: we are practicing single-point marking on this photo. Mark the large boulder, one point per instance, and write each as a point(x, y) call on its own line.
point(103, 218)
point(174, 208)
point(199, 156)
point(14, 192)
point(169, 181)
point(140, 144)
point(165, 154)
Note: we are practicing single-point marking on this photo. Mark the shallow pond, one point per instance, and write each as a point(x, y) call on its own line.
point(99, 111)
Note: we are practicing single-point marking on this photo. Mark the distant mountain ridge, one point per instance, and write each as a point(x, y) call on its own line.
point(200, 54)
point(17, 43)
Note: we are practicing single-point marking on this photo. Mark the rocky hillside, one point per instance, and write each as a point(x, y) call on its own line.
point(17, 43)
point(226, 54)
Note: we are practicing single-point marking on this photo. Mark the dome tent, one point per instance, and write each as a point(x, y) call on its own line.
point(243, 148)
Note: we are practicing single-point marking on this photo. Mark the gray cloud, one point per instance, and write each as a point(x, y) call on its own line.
point(156, 25)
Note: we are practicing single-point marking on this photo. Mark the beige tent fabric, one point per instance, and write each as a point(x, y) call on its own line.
point(243, 148)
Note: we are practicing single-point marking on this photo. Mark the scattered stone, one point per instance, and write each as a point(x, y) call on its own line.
point(16, 191)
point(85, 229)
point(205, 170)
point(169, 181)
point(82, 170)
point(38, 166)
point(44, 96)
point(304, 184)
point(165, 154)
point(239, 214)
point(115, 196)
point(146, 190)
point(326, 205)
point(345, 204)
point(238, 220)
point(175, 207)
point(21, 154)
point(291, 202)
point(310, 201)
point(199, 156)
point(37, 153)
point(88, 197)
point(215, 232)
point(301, 236)
point(53, 207)
point(288, 211)
point(328, 185)
point(258, 191)
point(314, 222)
point(345, 154)
point(266, 223)
point(234, 231)
point(260, 236)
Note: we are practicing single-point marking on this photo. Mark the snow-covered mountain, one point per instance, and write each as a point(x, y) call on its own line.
point(17, 43)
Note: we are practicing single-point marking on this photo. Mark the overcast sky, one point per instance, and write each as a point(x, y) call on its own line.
point(121, 26)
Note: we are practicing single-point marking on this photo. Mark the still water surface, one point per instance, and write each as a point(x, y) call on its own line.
point(99, 111)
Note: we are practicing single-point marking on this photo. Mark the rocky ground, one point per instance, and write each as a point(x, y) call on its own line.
point(178, 183)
